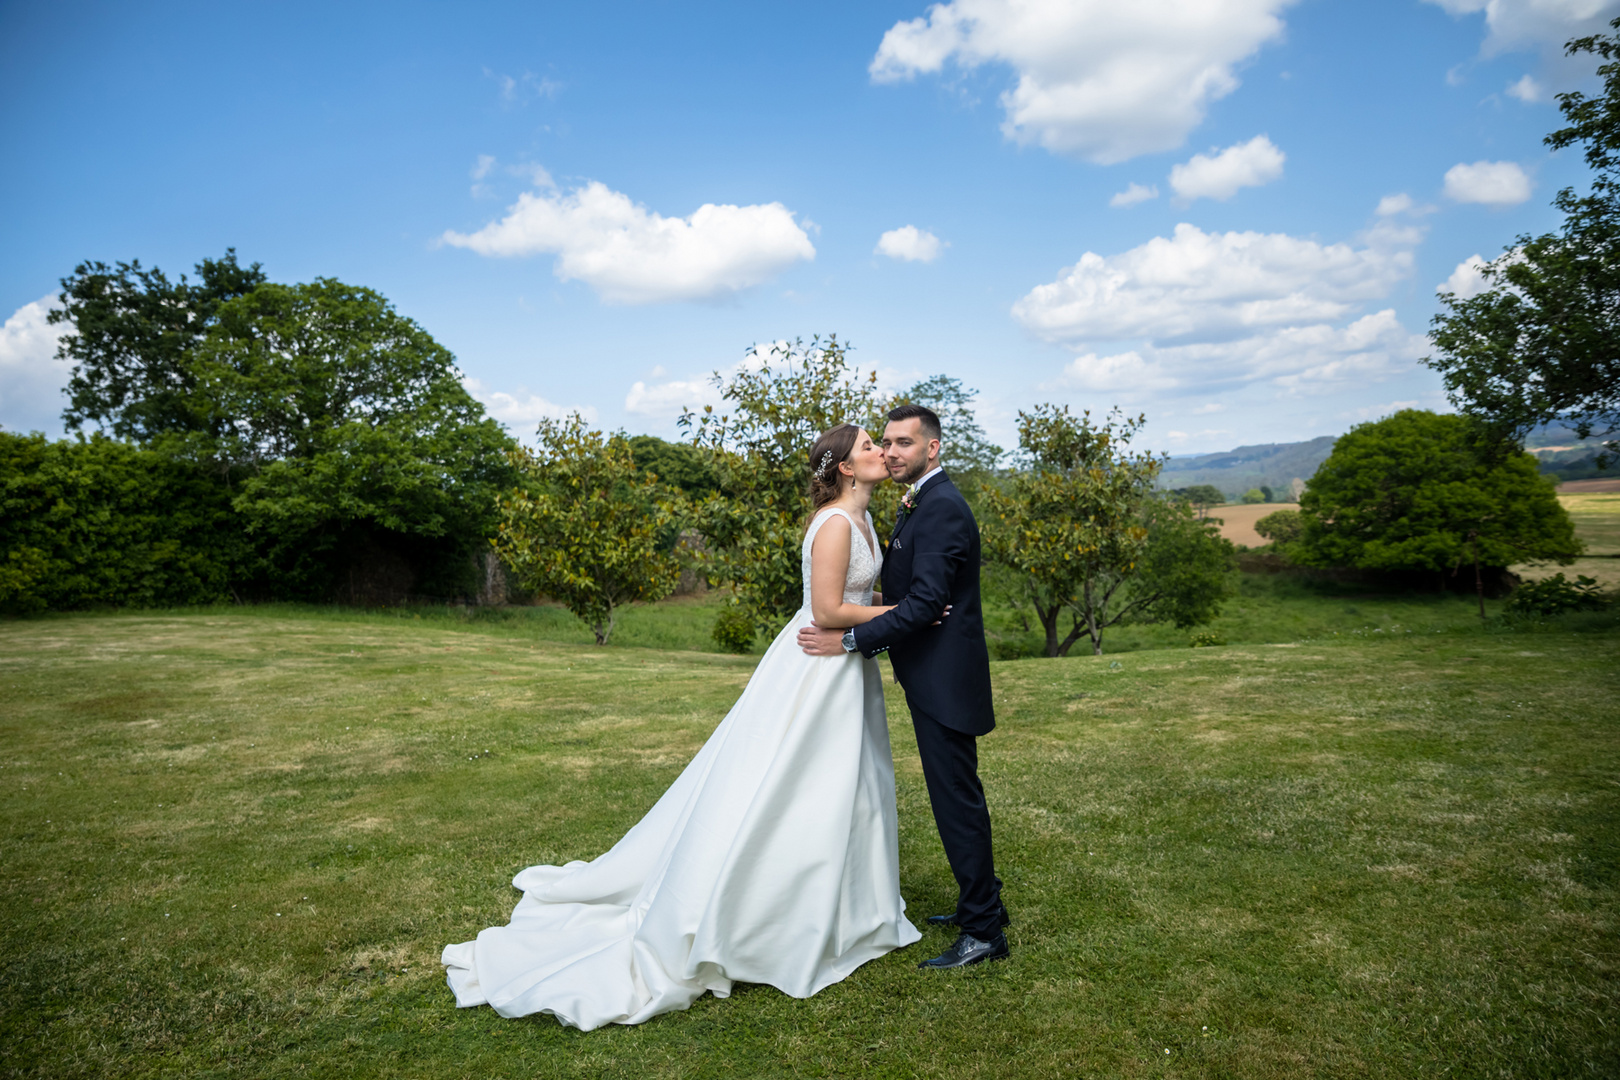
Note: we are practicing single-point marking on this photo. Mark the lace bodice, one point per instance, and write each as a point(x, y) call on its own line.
point(864, 562)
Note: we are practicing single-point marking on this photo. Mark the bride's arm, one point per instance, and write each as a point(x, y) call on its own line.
point(829, 565)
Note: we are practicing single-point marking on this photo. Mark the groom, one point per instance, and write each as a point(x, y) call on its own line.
point(944, 667)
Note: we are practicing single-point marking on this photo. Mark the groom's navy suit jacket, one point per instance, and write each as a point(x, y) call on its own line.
point(932, 561)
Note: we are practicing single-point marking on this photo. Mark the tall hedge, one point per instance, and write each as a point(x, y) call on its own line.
point(96, 521)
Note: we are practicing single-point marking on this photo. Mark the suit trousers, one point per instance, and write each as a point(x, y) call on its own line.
point(950, 762)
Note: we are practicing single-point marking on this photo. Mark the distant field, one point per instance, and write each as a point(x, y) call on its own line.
point(1596, 511)
point(1237, 520)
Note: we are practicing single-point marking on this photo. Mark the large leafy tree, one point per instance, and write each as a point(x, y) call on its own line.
point(1420, 491)
point(772, 410)
point(342, 421)
point(1084, 535)
point(585, 525)
point(133, 336)
point(1542, 341)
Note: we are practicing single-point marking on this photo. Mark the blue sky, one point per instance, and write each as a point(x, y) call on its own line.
point(593, 206)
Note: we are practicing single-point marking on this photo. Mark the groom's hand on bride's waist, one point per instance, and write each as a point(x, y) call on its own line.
point(819, 641)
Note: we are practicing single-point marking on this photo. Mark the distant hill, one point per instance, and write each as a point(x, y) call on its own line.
point(1273, 465)
point(1276, 465)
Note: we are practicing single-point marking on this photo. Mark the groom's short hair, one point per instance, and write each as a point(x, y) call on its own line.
point(930, 419)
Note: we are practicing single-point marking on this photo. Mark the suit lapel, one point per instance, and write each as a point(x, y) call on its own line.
point(905, 516)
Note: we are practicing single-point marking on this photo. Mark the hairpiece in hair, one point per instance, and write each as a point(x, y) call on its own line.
point(821, 470)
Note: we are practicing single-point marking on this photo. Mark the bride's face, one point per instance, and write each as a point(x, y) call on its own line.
point(866, 460)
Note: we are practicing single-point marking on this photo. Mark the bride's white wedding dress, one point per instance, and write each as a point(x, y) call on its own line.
point(773, 858)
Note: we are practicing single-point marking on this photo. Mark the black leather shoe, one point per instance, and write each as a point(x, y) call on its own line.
point(950, 920)
point(969, 950)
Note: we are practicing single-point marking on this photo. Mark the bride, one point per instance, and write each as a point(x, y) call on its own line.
point(773, 858)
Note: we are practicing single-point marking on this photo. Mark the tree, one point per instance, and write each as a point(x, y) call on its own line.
point(964, 450)
point(1542, 341)
point(584, 527)
point(1202, 497)
point(134, 333)
point(1281, 527)
point(1083, 533)
point(1419, 491)
point(1254, 496)
point(679, 465)
point(776, 406)
point(344, 425)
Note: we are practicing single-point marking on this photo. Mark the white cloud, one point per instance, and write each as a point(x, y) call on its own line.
point(1127, 371)
point(1097, 79)
point(522, 411)
point(31, 379)
point(1202, 313)
point(481, 168)
point(1390, 205)
point(1242, 165)
point(1198, 284)
point(631, 255)
point(1465, 281)
point(669, 398)
point(1494, 183)
point(1134, 194)
point(518, 89)
point(1527, 90)
point(1542, 25)
point(910, 243)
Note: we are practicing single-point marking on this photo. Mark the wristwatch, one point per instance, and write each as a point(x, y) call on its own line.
point(849, 640)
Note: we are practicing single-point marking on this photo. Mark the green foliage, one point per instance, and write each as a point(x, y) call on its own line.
point(1254, 496)
point(134, 332)
point(773, 410)
point(678, 465)
point(1281, 527)
point(1266, 494)
point(344, 416)
point(1538, 344)
point(585, 526)
point(1081, 532)
point(339, 428)
point(1206, 639)
point(965, 451)
point(101, 522)
point(1555, 595)
point(733, 629)
point(1201, 496)
point(1419, 491)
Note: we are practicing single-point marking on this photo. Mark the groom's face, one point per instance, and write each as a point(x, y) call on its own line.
point(907, 451)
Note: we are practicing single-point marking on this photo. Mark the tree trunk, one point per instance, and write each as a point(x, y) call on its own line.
point(1479, 582)
point(603, 628)
point(1075, 634)
point(1049, 617)
point(1091, 622)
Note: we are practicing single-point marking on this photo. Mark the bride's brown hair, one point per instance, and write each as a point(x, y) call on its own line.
point(826, 483)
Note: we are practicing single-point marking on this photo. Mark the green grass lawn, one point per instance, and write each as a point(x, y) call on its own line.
point(1262, 610)
point(235, 842)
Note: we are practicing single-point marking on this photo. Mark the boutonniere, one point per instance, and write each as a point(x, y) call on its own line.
point(908, 501)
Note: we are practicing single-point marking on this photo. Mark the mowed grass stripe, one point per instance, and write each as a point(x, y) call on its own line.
point(234, 845)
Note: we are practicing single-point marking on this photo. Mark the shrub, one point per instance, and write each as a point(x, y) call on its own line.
point(1205, 639)
point(734, 630)
point(1254, 496)
point(1556, 595)
point(1281, 527)
point(99, 521)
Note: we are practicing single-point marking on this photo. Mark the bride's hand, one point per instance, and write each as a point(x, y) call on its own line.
point(943, 615)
